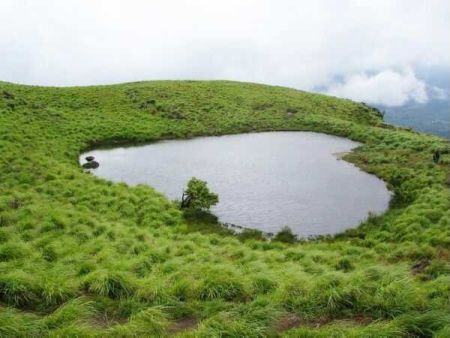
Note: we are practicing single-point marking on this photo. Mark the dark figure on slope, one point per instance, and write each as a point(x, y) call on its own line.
point(436, 156)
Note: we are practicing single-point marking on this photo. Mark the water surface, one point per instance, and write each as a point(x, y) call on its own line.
point(264, 180)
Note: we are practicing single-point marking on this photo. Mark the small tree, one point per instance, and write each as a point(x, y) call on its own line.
point(197, 196)
point(285, 235)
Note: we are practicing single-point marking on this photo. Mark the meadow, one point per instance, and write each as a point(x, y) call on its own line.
point(81, 256)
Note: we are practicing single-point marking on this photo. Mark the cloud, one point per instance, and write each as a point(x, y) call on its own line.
point(438, 93)
point(301, 44)
point(388, 88)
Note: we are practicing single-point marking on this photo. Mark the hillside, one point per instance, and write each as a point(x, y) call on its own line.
point(80, 256)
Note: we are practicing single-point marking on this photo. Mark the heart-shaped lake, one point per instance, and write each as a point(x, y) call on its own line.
point(264, 180)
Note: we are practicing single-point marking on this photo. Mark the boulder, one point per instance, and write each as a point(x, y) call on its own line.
point(90, 158)
point(91, 165)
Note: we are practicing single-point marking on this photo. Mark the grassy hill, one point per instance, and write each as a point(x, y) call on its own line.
point(80, 256)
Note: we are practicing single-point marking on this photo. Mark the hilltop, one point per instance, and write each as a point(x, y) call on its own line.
point(81, 256)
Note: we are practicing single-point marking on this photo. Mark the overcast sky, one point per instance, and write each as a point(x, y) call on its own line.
point(380, 52)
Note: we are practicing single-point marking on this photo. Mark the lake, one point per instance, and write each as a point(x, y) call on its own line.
point(264, 180)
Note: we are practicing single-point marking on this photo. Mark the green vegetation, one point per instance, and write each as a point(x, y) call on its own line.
point(285, 235)
point(80, 256)
point(197, 196)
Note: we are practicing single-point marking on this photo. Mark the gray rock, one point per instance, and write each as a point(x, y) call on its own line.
point(91, 165)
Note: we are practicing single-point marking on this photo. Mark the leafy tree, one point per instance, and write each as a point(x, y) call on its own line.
point(197, 196)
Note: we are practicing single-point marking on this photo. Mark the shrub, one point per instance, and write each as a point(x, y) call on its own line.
point(247, 234)
point(285, 235)
point(198, 196)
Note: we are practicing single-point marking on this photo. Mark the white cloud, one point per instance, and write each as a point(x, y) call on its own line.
point(302, 44)
point(389, 88)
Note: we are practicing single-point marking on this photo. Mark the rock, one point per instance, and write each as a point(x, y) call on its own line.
point(90, 158)
point(91, 165)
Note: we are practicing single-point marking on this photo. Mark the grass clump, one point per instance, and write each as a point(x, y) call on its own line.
point(111, 284)
point(149, 322)
point(18, 289)
point(222, 287)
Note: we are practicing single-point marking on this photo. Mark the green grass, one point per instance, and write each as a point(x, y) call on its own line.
point(80, 256)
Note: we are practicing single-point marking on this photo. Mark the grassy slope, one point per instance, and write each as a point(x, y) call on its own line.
point(82, 256)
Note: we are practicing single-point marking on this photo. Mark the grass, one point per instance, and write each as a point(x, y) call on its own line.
point(80, 256)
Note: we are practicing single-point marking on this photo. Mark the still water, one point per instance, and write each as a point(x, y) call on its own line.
point(264, 180)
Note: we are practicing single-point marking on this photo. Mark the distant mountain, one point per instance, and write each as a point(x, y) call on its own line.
point(432, 117)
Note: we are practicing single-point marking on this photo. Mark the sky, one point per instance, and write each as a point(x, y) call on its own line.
point(386, 52)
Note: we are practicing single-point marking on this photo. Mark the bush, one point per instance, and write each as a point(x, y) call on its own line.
point(255, 234)
point(285, 235)
point(197, 196)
